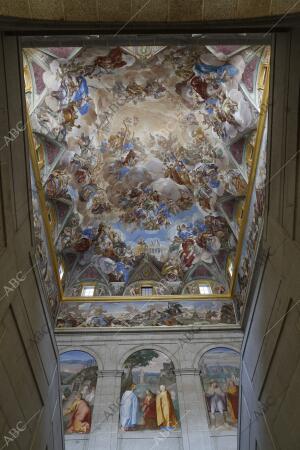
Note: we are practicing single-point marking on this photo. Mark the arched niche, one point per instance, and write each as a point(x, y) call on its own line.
point(149, 396)
point(78, 373)
point(220, 377)
point(202, 286)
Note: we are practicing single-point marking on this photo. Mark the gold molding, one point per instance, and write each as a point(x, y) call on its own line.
point(139, 298)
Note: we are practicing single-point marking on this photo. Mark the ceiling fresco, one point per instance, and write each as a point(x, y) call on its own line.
point(145, 156)
point(145, 314)
point(42, 254)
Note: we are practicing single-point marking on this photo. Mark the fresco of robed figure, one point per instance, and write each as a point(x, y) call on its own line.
point(220, 368)
point(78, 385)
point(149, 398)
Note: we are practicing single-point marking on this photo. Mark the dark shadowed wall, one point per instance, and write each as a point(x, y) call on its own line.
point(270, 377)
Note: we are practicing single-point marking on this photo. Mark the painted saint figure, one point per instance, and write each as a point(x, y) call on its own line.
point(165, 412)
point(233, 400)
point(149, 410)
point(129, 409)
point(80, 421)
point(217, 402)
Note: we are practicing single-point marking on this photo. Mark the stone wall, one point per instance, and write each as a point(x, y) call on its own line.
point(29, 388)
point(146, 10)
point(270, 372)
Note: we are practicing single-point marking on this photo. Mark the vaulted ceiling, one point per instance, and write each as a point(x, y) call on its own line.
point(145, 10)
point(145, 156)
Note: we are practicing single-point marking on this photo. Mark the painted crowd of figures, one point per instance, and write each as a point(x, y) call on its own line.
point(253, 229)
point(140, 314)
point(131, 178)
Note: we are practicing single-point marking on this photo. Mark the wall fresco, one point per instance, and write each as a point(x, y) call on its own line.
point(78, 372)
point(220, 374)
point(149, 398)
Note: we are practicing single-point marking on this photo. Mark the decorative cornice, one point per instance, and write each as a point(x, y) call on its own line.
point(110, 373)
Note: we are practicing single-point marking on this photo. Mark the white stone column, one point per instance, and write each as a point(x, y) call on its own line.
point(193, 413)
point(115, 417)
point(104, 433)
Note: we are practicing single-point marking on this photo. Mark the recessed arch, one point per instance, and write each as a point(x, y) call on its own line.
point(86, 349)
point(220, 377)
point(157, 347)
point(199, 355)
point(149, 396)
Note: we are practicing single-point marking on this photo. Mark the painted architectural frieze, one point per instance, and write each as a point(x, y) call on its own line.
point(145, 314)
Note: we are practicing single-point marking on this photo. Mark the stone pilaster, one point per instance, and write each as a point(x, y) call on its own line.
point(193, 413)
point(106, 411)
